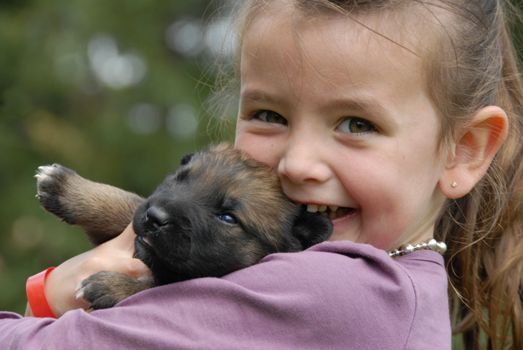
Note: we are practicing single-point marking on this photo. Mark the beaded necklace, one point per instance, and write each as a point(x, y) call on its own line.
point(439, 247)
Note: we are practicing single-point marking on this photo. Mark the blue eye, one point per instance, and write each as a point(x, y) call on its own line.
point(269, 117)
point(355, 125)
point(227, 218)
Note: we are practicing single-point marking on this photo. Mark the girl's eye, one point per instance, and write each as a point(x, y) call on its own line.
point(269, 117)
point(227, 218)
point(355, 125)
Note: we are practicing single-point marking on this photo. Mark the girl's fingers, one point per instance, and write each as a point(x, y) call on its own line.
point(115, 255)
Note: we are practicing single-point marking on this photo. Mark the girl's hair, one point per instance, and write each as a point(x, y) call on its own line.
point(472, 65)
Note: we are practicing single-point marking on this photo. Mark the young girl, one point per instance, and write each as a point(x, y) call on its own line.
point(402, 120)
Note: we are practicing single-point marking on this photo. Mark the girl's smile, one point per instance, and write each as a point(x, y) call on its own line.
point(344, 117)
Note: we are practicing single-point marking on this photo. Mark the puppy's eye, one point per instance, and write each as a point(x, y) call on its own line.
point(227, 218)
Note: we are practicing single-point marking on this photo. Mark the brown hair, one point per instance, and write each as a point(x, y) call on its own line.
point(472, 65)
point(484, 230)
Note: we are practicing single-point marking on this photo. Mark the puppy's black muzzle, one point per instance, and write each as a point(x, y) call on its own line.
point(156, 217)
point(163, 238)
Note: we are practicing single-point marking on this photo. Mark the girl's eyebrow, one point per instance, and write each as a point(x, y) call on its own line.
point(357, 104)
point(255, 95)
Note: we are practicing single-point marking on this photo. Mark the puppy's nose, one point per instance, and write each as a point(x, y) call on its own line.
point(157, 216)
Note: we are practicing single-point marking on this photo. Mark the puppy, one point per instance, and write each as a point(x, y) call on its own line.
point(219, 212)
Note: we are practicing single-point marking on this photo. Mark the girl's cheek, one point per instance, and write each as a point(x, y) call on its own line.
point(263, 148)
point(259, 150)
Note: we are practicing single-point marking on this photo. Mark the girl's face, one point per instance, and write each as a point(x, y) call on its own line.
point(344, 118)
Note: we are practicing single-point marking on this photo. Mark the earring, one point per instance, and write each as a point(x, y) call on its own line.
point(454, 184)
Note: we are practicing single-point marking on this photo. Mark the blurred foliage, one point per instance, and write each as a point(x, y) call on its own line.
point(54, 108)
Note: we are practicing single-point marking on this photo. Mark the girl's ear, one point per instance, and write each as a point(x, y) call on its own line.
point(473, 151)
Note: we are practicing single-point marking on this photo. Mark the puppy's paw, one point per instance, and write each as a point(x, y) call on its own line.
point(52, 190)
point(99, 289)
point(105, 289)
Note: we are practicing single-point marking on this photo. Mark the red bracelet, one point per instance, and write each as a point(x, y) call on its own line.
point(35, 289)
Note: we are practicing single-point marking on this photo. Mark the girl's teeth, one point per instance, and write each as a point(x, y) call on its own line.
point(331, 211)
point(312, 208)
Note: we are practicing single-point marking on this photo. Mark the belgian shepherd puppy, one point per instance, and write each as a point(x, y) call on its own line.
point(219, 212)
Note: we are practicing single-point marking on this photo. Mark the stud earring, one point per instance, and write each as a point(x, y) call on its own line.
point(454, 184)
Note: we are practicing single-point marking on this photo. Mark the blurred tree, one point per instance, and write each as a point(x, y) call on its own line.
point(113, 89)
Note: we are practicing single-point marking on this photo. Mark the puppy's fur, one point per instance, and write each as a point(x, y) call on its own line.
point(219, 212)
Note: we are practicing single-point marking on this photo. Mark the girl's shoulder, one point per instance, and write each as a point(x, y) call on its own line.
point(354, 265)
point(363, 290)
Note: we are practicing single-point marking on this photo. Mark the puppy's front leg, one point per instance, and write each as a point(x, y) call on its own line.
point(105, 289)
point(103, 211)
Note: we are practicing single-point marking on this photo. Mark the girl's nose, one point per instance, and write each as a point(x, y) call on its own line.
point(303, 163)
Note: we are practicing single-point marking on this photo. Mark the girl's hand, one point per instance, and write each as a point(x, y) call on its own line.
point(114, 255)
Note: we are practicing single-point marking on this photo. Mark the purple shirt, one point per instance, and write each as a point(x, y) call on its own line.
point(335, 295)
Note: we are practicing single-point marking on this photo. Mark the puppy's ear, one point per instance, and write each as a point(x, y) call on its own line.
point(311, 229)
point(186, 158)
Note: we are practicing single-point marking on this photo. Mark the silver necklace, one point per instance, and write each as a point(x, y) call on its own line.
point(438, 247)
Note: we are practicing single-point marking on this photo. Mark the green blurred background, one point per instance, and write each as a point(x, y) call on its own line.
point(114, 89)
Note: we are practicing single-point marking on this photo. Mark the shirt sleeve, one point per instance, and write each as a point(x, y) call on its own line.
point(318, 299)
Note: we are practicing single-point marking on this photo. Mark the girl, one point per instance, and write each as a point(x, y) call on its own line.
point(402, 120)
